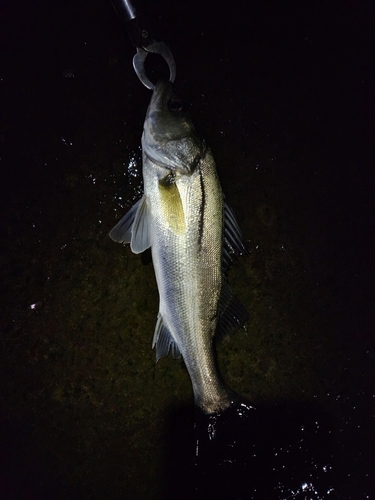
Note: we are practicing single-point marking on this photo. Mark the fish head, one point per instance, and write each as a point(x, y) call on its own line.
point(169, 137)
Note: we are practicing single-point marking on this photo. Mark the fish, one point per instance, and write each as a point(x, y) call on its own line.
point(194, 236)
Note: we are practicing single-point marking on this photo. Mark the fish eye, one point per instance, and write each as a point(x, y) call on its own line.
point(175, 105)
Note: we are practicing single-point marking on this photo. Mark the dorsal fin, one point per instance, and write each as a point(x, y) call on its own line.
point(232, 314)
point(234, 243)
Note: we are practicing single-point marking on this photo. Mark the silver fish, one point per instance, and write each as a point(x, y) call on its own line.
point(193, 237)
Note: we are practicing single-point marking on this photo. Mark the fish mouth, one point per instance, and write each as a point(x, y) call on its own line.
point(161, 88)
point(158, 105)
point(158, 126)
point(169, 137)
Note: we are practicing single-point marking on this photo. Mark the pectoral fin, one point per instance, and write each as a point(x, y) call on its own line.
point(171, 204)
point(133, 228)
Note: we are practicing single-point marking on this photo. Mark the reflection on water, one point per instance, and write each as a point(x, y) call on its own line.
point(283, 452)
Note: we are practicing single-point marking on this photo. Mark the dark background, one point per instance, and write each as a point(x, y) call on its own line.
point(284, 94)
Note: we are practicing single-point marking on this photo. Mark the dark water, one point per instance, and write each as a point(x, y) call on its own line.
point(284, 95)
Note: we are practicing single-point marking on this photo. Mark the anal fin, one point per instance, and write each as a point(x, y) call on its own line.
point(163, 341)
